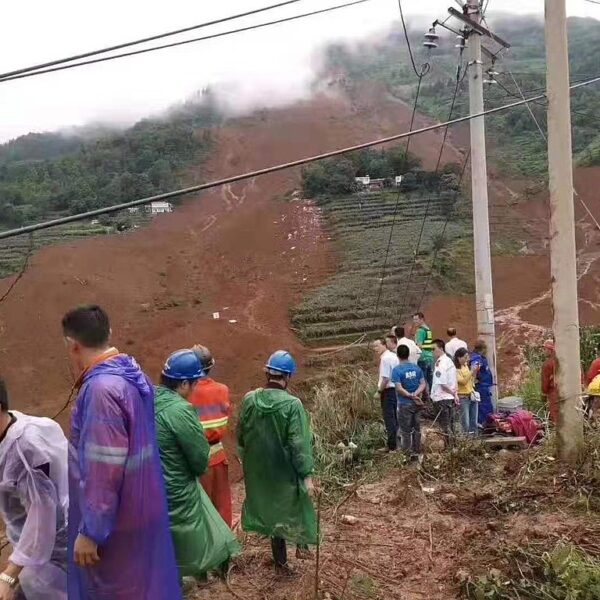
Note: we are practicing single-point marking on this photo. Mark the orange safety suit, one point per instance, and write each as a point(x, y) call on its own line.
point(549, 388)
point(211, 401)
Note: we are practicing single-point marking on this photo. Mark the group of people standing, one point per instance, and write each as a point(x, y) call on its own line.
point(139, 498)
point(421, 371)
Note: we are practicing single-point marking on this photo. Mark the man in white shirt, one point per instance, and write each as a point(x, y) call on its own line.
point(454, 343)
point(413, 349)
point(444, 390)
point(386, 391)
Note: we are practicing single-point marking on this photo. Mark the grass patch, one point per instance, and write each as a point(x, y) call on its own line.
point(563, 573)
point(347, 427)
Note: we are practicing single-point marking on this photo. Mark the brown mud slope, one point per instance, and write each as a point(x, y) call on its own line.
point(522, 282)
point(239, 250)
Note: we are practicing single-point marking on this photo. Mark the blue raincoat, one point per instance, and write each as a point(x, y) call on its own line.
point(483, 385)
point(116, 489)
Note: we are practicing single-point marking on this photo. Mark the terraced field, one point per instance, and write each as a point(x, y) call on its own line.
point(14, 251)
point(346, 306)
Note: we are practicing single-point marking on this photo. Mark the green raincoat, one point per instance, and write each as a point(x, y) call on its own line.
point(274, 441)
point(202, 540)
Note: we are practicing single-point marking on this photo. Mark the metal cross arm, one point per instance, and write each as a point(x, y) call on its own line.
point(477, 27)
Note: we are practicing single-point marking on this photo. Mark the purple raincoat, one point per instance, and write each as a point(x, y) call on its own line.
point(116, 489)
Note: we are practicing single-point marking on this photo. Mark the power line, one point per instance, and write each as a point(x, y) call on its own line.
point(425, 67)
point(143, 40)
point(182, 43)
point(443, 232)
point(21, 272)
point(545, 138)
point(397, 205)
point(273, 169)
point(428, 205)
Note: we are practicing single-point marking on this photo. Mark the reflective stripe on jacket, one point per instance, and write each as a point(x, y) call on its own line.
point(211, 401)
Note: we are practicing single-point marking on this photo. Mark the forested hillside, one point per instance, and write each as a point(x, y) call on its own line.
point(44, 174)
point(516, 145)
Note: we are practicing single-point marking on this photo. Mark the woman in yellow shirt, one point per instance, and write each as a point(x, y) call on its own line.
point(469, 404)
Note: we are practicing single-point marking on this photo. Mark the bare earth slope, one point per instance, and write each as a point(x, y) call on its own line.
point(237, 250)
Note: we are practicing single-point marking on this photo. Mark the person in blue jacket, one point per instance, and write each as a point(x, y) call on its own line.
point(484, 380)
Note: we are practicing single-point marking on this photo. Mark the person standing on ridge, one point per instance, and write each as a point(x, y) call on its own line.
point(120, 545)
point(386, 391)
point(34, 501)
point(424, 340)
point(484, 380)
point(410, 385)
point(415, 352)
point(444, 391)
point(211, 401)
point(275, 445)
point(454, 343)
point(203, 541)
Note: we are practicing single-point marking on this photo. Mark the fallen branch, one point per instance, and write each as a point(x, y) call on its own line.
point(351, 493)
point(430, 543)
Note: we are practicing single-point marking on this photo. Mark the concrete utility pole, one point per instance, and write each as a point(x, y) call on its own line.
point(563, 255)
point(484, 297)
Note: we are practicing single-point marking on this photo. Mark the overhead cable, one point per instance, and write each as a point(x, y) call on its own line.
point(545, 138)
point(426, 67)
point(144, 40)
point(272, 169)
point(397, 205)
point(181, 43)
point(445, 226)
point(22, 270)
point(406, 296)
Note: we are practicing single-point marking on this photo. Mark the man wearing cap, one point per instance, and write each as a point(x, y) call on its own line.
point(202, 540)
point(210, 399)
point(274, 441)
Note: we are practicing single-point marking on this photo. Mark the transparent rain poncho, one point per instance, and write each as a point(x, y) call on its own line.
point(117, 490)
point(34, 503)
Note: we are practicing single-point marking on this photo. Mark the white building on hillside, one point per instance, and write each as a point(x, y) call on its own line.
point(157, 208)
point(365, 181)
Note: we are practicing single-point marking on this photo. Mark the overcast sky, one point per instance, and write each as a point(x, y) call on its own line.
point(268, 65)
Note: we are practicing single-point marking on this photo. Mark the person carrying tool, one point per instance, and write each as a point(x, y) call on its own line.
point(203, 541)
point(120, 546)
point(211, 401)
point(274, 441)
point(34, 501)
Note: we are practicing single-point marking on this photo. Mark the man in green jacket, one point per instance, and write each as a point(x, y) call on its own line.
point(424, 339)
point(203, 541)
point(275, 445)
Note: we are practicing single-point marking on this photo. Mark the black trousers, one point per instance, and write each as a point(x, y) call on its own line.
point(409, 419)
point(390, 416)
point(279, 549)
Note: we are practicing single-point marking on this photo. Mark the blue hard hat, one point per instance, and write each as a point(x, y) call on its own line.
point(183, 365)
point(282, 362)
